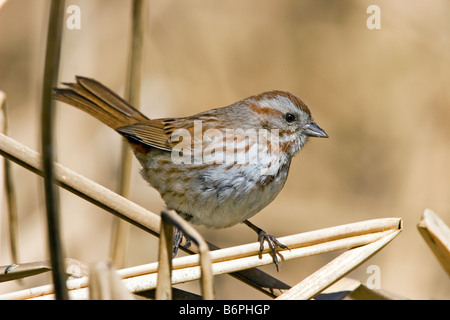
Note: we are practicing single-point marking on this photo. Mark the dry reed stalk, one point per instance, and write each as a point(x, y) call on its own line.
point(437, 235)
point(51, 68)
point(117, 205)
point(354, 289)
point(207, 282)
point(9, 188)
point(119, 234)
point(336, 269)
point(20, 271)
point(2, 161)
point(105, 284)
point(164, 284)
point(74, 268)
point(365, 233)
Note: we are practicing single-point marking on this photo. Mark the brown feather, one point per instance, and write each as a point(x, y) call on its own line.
point(94, 98)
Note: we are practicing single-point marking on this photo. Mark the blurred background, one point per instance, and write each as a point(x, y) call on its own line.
point(381, 95)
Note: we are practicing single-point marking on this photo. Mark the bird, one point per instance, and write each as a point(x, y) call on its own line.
point(216, 168)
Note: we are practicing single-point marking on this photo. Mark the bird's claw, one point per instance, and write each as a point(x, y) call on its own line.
point(273, 244)
point(177, 238)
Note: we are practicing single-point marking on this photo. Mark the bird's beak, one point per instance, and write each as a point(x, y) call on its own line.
point(313, 130)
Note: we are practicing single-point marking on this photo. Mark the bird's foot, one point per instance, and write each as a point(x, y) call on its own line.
point(273, 243)
point(177, 239)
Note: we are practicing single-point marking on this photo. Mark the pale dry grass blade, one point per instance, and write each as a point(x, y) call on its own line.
point(2, 160)
point(336, 269)
point(369, 228)
point(135, 66)
point(204, 256)
point(367, 236)
point(10, 194)
point(105, 284)
point(437, 235)
point(164, 281)
point(51, 69)
point(23, 270)
point(353, 289)
point(2, 130)
point(74, 268)
point(119, 234)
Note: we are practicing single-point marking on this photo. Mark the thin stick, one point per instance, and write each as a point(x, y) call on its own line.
point(149, 281)
point(334, 270)
point(144, 277)
point(136, 52)
point(54, 35)
point(73, 267)
point(346, 240)
point(164, 281)
point(317, 236)
point(121, 228)
point(354, 289)
point(105, 284)
point(10, 190)
point(204, 253)
point(437, 235)
point(2, 161)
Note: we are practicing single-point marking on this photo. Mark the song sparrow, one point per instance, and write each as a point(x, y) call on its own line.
point(216, 168)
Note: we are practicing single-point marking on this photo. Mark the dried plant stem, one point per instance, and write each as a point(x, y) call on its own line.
point(437, 235)
point(9, 189)
point(139, 12)
point(117, 205)
point(2, 161)
point(354, 289)
point(105, 284)
point(22, 270)
point(204, 254)
point(336, 269)
point(121, 228)
point(359, 234)
point(164, 283)
point(327, 235)
point(54, 35)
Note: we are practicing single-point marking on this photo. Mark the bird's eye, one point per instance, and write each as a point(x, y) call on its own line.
point(289, 117)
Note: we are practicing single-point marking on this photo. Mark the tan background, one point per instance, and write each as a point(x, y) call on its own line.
point(381, 95)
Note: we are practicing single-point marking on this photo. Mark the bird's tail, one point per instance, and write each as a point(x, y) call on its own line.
point(99, 101)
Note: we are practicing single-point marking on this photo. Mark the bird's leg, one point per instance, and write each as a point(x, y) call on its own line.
point(271, 240)
point(178, 237)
